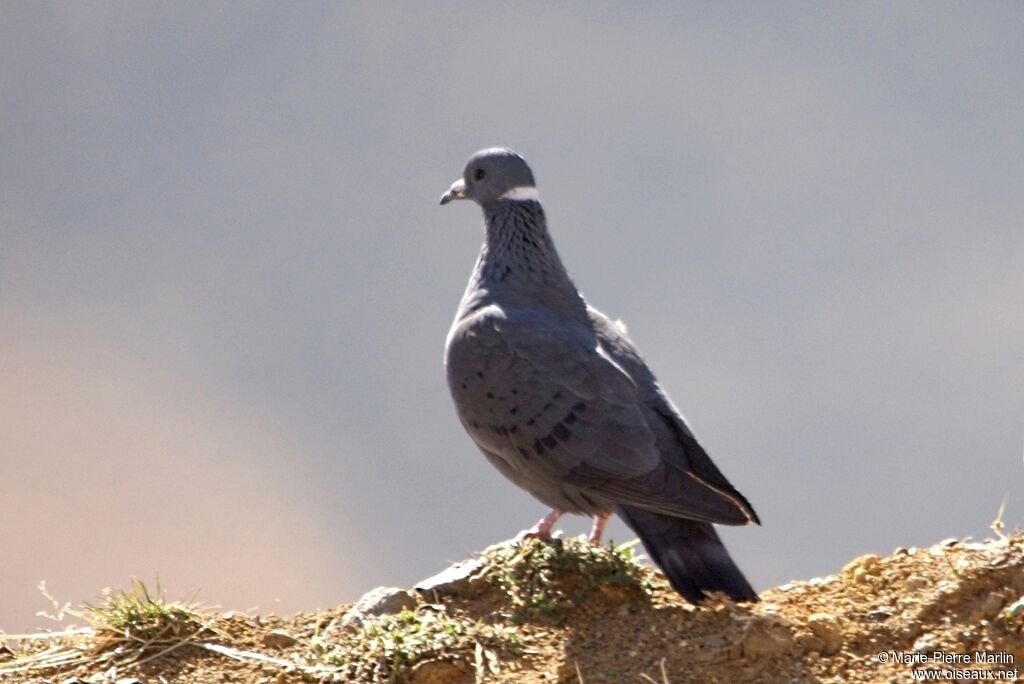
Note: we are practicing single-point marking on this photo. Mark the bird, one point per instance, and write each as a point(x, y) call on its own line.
point(559, 400)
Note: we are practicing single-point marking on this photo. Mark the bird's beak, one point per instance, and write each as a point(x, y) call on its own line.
point(457, 191)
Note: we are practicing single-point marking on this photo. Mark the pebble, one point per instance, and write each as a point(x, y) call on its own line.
point(916, 582)
point(880, 614)
point(869, 563)
point(457, 580)
point(926, 644)
point(760, 643)
point(379, 601)
point(279, 639)
point(438, 672)
point(909, 631)
point(827, 628)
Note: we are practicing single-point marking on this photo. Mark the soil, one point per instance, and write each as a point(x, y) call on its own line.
point(875, 620)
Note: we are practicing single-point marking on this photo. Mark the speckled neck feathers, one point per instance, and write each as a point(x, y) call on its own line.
point(518, 264)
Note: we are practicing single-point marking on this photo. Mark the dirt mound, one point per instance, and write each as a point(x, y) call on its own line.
point(570, 612)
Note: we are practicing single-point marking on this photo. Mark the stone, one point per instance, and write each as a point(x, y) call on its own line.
point(763, 641)
point(827, 628)
point(909, 631)
point(460, 579)
point(916, 583)
point(279, 639)
point(869, 564)
point(880, 614)
point(440, 672)
point(379, 601)
point(821, 581)
point(990, 605)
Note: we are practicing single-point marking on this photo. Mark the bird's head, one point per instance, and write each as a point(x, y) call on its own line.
point(493, 175)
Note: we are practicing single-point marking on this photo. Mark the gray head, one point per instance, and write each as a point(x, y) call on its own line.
point(493, 175)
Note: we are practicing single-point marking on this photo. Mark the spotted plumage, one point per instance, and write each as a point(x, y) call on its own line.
point(556, 396)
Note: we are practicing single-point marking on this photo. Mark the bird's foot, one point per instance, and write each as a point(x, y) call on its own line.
point(542, 530)
point(597, 531)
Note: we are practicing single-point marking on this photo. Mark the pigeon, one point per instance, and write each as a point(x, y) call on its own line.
point(559, 400)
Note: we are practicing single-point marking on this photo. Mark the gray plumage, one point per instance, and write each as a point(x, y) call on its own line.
point(557, 397)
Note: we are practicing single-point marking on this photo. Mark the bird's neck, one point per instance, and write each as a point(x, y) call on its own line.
point(518, 264)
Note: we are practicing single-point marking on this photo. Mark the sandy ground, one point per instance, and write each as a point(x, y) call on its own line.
point(948, 607)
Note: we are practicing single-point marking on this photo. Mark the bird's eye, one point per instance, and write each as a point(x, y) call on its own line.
point(479, 174)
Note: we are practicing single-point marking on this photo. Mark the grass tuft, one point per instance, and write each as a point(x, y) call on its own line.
point(142, 619)
point(125, 628)
point(543, 578)
point(387, 648)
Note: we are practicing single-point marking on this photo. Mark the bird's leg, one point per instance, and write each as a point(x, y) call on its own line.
point(597, 531)
point(542, 530)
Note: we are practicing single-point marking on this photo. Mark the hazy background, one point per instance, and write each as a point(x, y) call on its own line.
point(225, 281)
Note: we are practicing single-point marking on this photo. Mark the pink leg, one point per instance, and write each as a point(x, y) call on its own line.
point(597, 531)
point(542, 530)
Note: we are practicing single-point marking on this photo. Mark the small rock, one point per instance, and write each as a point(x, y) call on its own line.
point(715, 643)
point(73, 680)
point(761, 642)
point(279, 639)
point(880, 614)
point(909, 631)
point(458, 580)
point(916, 582)
point(128, 680)
point(379, 601)
point(440, 672)
point(870, 564)
point(990, 605)
point(810, 644)
point(827, 628)
point(1014, 609)
point(385, 601)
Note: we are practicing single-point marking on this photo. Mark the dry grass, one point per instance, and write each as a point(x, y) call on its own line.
point(124, 629)
point(537, 613)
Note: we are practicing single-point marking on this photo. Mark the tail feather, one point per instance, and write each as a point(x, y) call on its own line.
point(690, 554)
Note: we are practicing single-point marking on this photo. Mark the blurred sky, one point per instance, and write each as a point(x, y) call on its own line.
point(225, 281)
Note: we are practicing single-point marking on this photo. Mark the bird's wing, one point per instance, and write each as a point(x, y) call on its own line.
point(676, 442)
point(581, 415)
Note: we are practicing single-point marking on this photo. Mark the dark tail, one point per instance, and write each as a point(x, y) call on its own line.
point(690, 554)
